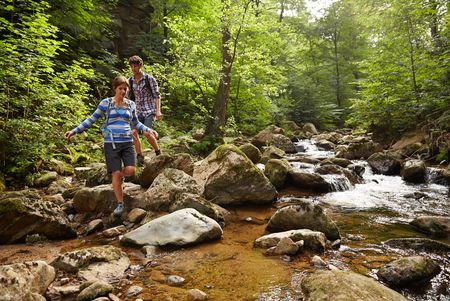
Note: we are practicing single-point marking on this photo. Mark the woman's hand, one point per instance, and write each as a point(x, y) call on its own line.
point(67, 135)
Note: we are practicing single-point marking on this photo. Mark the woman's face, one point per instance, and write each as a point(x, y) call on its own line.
point(121, 90)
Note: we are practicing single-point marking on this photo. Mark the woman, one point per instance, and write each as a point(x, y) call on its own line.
point(118, 140)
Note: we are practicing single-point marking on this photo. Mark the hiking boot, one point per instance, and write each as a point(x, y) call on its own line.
point(158, 152)
point(140, 160)
point(119, 210)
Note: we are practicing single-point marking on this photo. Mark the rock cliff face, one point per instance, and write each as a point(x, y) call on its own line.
point(133, 21)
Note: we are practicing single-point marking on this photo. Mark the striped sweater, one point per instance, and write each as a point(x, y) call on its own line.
point(118, 127)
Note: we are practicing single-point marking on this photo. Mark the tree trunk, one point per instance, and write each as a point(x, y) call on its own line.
point(218, 118)
point(338, 75)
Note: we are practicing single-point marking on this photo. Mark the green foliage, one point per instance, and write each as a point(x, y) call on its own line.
point(37, 103)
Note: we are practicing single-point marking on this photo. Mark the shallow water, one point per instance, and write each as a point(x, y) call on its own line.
point(231, 269)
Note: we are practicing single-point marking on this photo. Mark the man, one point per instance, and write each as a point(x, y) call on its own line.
point(144, 91)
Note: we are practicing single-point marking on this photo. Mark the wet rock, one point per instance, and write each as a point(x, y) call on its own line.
point(408, 271)
point(95, 290)
point(414, 171)
point(251, 151)
point(157, 164)
point(113, 232)
point(345, 286)
point(309, 181)
point(418, 244)
point(134, 290)
point(359, 150)
point(336, 161)
point(175, 280)
point(25, 281)
point(386, 163)
point(24, 212)
point(325, 145)
point(96, 263)
point(196, 295)
point(303, 215)
point(434, 225)
point(318, 262)
point(338, 170)
point(285, 246)
point(313, 240)
point(229, 177)
point(136, 215)
point(182, 227)
point(277, 171)
point(94, 226)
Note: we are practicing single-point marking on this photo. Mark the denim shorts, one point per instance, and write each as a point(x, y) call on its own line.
point(124, 153)
point(147, 120)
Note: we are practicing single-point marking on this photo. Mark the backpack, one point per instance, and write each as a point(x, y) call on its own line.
point(130, 82)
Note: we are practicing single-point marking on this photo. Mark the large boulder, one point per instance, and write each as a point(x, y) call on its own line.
point(414, 171)
point(409, 271)
point(157, 164)
point(303, 215)
point(229, 177)
point(264, 138)
point(339, 285)
point(166, 188)
point(182, 227)
point(386, 163)
point(309, 181)
point(101, 198)
point(24, 213)
point(25, 281)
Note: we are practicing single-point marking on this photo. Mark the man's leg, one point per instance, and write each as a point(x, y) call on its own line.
point(138, 147)
point(151, 137)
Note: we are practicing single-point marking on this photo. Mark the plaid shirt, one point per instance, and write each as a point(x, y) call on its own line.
point(145, 97)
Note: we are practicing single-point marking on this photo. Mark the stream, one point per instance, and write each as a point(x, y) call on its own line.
point(231, 269)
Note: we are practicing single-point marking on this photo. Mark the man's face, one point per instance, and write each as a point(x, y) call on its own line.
point(135, 68)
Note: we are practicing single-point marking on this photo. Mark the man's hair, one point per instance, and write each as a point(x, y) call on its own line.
point(135, 60)
point(119, 80)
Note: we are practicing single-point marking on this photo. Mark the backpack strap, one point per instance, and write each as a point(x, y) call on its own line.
point(131, 93)
point(105, 131)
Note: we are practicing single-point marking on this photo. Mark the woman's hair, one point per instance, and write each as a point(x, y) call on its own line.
point(119, 80)
point(135, 60)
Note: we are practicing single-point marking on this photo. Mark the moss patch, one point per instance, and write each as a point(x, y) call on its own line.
point(8, 205)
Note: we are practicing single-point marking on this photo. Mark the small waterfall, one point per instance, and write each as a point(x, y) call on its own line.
point(338, 182)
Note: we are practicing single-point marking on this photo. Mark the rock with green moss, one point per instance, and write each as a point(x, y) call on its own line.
point(24, 213)
point(303, 215)
point(252, 152)
point(408, 271)
point(46, 179)
point(277, 171)
point(230, 177)
point(345, 286)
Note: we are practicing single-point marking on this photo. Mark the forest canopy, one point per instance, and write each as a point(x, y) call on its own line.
point(228, 67)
